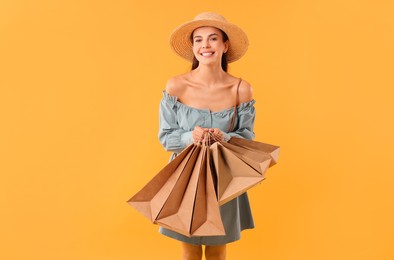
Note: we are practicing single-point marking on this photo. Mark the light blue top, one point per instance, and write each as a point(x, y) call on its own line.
point(177, 122)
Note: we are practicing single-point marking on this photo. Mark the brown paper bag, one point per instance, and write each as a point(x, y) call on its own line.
point(151, 198)
point(233, 174)
point(192, 208)
point(182, 196)
point(177, 211)
point(269, 149)
point(208, 207)
point(255, 159)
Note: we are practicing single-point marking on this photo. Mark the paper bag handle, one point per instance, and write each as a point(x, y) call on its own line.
point(231, 128)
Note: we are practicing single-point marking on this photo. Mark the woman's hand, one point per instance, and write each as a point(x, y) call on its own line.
point(216, 135)
point(198, 134)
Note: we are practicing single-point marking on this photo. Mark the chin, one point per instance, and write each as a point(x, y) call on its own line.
point(208, 62)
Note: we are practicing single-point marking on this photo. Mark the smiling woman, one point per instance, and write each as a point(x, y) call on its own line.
point(206, 99)
point(213, 38)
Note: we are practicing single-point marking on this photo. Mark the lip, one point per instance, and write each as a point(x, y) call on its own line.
point(211, 52)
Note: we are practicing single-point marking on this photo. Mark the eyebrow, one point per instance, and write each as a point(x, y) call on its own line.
point(208, 35)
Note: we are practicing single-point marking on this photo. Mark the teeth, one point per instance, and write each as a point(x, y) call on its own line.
point(207, 54)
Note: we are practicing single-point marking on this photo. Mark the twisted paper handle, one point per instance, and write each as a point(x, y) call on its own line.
point(206, 138)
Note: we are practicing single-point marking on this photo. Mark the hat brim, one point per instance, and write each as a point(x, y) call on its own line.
point(182, 45)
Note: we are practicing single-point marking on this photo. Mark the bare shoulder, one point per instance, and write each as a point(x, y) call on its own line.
point(245, 92)
point(176, 85)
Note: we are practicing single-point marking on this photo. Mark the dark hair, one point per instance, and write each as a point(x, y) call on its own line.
point(224, 56)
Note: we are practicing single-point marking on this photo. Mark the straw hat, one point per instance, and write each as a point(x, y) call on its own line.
point(180, 37)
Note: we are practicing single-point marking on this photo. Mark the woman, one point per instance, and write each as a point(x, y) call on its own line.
point(203, 100)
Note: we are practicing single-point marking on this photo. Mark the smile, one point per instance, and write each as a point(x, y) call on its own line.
point(206, 54)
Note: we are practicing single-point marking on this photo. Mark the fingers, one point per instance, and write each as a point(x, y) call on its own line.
point(198, 134)
point(217, 131)
point(215, 134)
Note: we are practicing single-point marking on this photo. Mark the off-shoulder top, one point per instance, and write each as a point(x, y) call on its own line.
point(177, 121)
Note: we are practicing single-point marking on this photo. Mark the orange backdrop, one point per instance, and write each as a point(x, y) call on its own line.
point(80, 85)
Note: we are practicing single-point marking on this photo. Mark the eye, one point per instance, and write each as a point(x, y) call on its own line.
point(214, 38)
point(197, 40)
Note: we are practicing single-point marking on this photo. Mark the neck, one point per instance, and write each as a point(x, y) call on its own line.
point(209, 74)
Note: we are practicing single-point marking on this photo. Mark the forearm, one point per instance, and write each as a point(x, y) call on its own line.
point(175, 140)
point(240, 133)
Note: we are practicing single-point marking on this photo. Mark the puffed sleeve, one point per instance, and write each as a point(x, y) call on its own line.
point(245, 125)
point(171, 136)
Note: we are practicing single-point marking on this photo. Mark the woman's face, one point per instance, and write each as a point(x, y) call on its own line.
point(208, 45)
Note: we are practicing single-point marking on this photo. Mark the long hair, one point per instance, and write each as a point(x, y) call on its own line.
point(224, 62)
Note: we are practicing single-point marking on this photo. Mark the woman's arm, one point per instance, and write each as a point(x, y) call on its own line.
point(171, 136)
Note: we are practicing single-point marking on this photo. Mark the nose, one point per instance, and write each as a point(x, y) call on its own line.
point(205, 44)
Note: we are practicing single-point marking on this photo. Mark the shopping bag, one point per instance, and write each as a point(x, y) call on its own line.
point(182, 196)
point(240, 164)
point(234, 176)
point(269, 149)
point(192, 208)
point(151, 198)
point(256, 159)
point(208, 207)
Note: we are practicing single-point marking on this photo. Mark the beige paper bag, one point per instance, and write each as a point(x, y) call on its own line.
point(233, 174)
point(207, 204)
point(269, 149)
point(182, 196)
point(192, 208)
point(151, 198)
point(255, 159)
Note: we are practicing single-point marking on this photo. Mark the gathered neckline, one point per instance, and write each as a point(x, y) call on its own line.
point(175, 99)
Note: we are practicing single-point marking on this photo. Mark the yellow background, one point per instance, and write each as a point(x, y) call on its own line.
point(80, 84)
